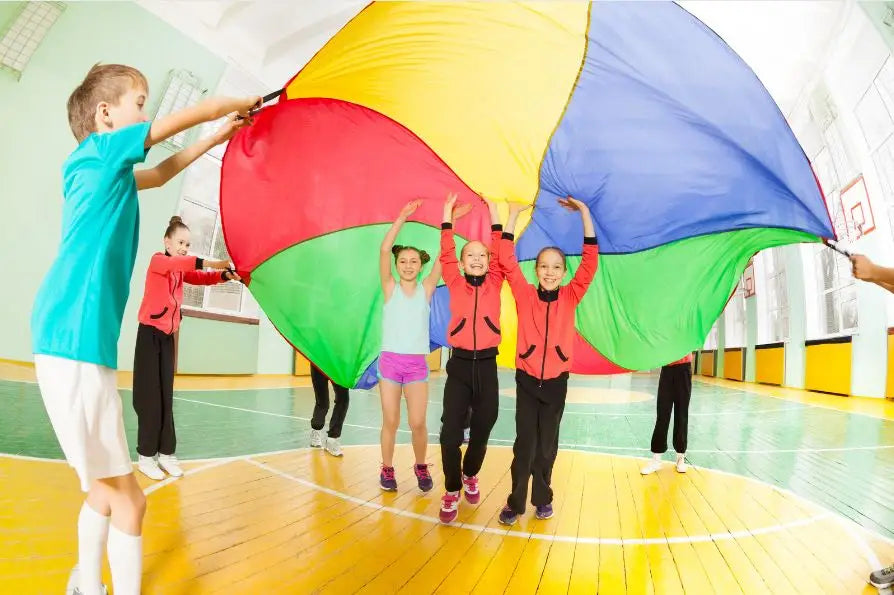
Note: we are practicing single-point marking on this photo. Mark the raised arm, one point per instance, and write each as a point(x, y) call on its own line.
point(506, 251)
point(173, 165)
point(514, 209)
point(866, 270)
point(204, 111)
point(590, 253)
point(385, 275)
point(430, 283)
point(496, 233)
point(447, 258)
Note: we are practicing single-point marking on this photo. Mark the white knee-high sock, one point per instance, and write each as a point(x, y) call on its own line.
point(93, 531)
point(126, 560)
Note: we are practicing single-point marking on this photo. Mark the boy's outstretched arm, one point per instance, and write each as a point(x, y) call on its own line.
point(866, 270)
point(205, 111)
point(173, 165)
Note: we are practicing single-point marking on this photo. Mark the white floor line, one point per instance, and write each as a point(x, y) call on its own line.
point(871, 558)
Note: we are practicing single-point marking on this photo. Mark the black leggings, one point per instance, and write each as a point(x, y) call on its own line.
point(471, 400)
point(674, 391)
point(321, 406)
point(153, 391)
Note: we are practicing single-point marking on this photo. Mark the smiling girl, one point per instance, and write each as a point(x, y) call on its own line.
point(545, 339)
point(153, 367)
point(403, 368)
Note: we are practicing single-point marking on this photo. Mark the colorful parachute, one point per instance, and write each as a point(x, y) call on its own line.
point(636, 108)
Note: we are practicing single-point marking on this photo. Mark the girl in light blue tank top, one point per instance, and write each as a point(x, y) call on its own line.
point(403, 368)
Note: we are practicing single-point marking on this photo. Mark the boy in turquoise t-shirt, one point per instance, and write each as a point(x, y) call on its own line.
point(77, 313)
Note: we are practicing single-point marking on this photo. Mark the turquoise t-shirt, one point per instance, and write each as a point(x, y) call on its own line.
point(78, 309)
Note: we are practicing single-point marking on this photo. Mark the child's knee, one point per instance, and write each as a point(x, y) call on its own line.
point(389, 423)
point(418, 425)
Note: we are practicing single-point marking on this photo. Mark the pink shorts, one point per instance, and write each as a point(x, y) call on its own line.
point(403, 368)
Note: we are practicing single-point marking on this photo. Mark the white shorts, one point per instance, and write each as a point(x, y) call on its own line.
point(84, 407)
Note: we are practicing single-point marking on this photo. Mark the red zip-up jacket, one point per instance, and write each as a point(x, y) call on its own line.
point(474, 309)
point(163, 294)
point(546, 318)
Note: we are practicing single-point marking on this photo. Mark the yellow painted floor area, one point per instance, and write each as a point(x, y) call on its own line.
point(306, 522)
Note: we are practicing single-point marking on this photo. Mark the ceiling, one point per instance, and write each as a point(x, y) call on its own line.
point(784, 42)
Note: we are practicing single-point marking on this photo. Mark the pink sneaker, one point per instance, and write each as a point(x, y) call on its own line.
point(449, 507)
point(470, 489)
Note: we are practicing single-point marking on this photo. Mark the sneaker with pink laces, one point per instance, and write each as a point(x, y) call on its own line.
point(449, 507)
point(423, 477)
point(386, 479)
point(470, 489)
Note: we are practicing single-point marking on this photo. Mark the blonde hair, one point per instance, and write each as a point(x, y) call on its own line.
point(104, 82)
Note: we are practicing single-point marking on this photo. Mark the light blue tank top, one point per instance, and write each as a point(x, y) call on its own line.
point(405, 322)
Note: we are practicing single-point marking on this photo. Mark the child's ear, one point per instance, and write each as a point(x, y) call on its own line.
point(102, 113)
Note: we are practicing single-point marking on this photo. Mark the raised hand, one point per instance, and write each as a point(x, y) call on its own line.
point(410, 208)
point(572, 204)
point(461, 210)
point(518, 207)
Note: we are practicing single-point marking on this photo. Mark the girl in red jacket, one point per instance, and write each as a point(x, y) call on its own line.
point(473, 334)
point(153, 367)
point(545, 339)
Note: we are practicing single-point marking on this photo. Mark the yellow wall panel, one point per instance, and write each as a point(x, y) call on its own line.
point(889, 386)
point(829, 368)
point(733, 368)
point(770, 365)
point(706, 363)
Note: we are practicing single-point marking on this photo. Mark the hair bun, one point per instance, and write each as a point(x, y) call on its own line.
point(395, 249)
point(175, 220)
point(423, 255)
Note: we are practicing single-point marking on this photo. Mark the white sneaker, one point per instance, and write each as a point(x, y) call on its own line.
point(316, 438)
point(171, 465)
point(653, 466)
point(681, 463)
point(150, 469)
point(333, 447)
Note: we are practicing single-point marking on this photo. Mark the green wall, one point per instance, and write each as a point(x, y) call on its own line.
point(35, 140)
point(199, 352)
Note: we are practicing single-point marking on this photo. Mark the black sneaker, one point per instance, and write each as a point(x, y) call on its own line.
point(882, 579)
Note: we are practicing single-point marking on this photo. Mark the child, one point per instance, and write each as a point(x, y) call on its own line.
point(674, 391)
point(77, 313)
point(405, 344)
point(321, 407)
point(545, 340)
point(866, 270)
point(153, 362)
point(472, 369)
